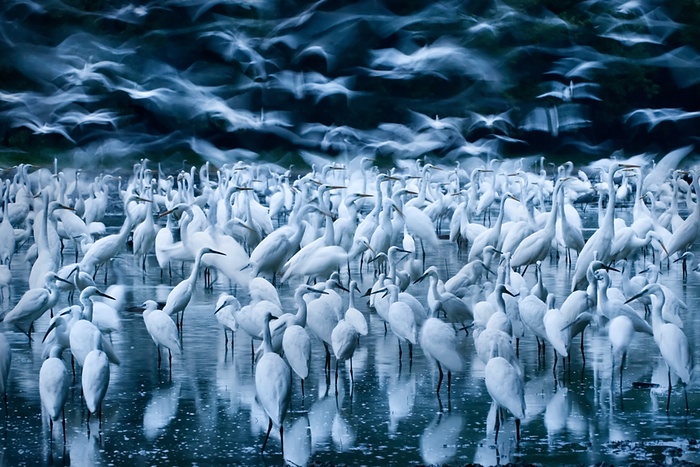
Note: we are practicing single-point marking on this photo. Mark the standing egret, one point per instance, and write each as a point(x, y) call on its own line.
point(82, 332)
point(273, 384)
point(402, 321)
point(535, 247)
point(505, 386)
point(53, 387)
point(296, 345)
point(95, 377)
point(5, 361)
point(601, 241)
point(226, 306)
point(163, 331)
point(108, 247)
point(34, 304)
point(285, 320)
point(671, 340)
point(557, 326)
point(620, 333)
point(346, 334)
point(684, 236)
point(456, 310)
point(439, 343)
point(180, 296)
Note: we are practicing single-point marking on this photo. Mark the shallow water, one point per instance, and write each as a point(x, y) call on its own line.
point(208, 413)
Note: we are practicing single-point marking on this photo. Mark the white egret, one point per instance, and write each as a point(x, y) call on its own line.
point(556, 325)
point(345, 335)
point(601, 241)
point(296, 346)
point(620, 334)
point(323, 314)
point(108, 247)
point(226, 306)
point(83, 331)
point(163, 331)
point(505, 386)
point(53, 387)
point(144, 236)
point(285, 320)
point(456, 310)
point(532, 310)
point(34, 304)
point(272, 384)
point(439, 343)
point(671, 340)
point(402, 321)
point(684, 236)
point(535, 247)
point(491, 236)
point(95, 378)
point(180, 296)
point(260, 289)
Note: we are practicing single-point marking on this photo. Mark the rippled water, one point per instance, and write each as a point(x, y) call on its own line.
point(208, 413)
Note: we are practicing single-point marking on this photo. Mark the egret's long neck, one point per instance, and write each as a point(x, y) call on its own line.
point(301, 308)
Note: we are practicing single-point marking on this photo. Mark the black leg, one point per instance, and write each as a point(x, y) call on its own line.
point(498, 425)
point(668, 398)
point(269, 428)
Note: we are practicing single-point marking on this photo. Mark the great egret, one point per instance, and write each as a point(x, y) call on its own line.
point(273, 384)
point(226, 306)
point(53, 387)
point(456, 309)
point(671, 340)
point(505, 386)
point(95, 378)
point(163, 331)
point(620, 334)
point(402, 321)
point(34, 304)
point(296, 346)
point(439, 343)
point(180, 296)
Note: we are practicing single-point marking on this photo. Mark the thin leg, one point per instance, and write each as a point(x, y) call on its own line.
point(158, 349)
point(685, 393)
point(517, 431)
point(302, 389)
point(269, 429)
point(583, 355)
point(498, 425)
point(63, 412)
point(282, 439)
point(336, 377)
point(439, 379)
point(400, 352)
point(170, 360)
point(327, 367)
point(668, 398)
point(622, 366)
point(352, 377)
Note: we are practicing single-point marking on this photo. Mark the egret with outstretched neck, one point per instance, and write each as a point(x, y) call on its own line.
point(180, 296)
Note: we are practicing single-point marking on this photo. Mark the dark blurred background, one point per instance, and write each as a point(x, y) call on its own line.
point(104, 83)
